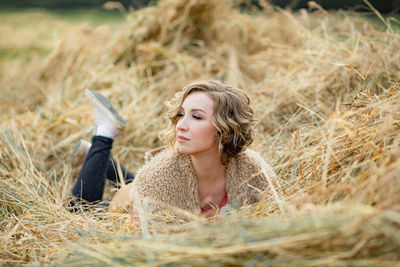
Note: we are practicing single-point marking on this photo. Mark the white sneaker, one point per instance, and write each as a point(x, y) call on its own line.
point(107, 119)
point(80, 152)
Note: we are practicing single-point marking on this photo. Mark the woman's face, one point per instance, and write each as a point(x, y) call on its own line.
point(195, 131)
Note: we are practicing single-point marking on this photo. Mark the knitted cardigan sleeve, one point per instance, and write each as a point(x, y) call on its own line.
point(257, 177)
point(264, 167)
point(164, 183)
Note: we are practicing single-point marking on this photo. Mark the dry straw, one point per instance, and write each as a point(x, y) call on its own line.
point(324, 86)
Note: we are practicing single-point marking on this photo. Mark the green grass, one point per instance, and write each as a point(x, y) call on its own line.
point(93, 16)
point(392, 20)
point(25, 53)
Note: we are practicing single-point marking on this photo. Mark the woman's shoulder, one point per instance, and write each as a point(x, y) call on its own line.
point(249, 175)
point(165, 164)
point(250, 159)
point(151, 153)
point(160, 159)
point(166, 178)
point(251, 155)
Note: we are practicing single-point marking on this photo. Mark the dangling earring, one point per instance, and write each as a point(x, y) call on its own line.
point(220, 146)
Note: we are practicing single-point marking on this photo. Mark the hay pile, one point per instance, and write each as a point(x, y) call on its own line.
point(325, 87)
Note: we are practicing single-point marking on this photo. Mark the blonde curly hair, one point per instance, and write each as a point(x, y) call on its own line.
point(233, 116)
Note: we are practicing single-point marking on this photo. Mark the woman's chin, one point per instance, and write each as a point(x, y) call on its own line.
point(183, 150)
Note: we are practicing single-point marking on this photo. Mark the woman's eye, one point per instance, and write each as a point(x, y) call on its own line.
point(197, 117)
point(179, 114)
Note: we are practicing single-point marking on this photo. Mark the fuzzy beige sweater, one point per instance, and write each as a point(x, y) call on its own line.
point(169, 180)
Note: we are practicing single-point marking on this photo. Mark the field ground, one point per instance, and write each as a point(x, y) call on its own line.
point(33, 32)
point(36, 31)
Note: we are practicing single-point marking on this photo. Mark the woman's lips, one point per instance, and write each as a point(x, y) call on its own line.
point(182, 138)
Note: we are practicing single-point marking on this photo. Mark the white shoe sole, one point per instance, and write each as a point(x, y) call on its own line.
point(102, 103)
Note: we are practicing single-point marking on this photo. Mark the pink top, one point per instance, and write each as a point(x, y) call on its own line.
point(220, 206)
point(223, 203)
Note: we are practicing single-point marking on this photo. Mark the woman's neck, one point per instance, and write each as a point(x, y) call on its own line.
point(208, 165)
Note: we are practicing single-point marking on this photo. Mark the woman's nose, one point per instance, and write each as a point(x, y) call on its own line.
point(182, 125)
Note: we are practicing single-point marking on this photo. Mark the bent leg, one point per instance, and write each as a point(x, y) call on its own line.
point(91, 180)
point(113, 174)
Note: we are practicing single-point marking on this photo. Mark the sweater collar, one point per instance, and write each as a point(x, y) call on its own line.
point(193, 179)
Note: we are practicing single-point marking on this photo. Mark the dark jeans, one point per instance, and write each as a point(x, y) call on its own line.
point(98, 166)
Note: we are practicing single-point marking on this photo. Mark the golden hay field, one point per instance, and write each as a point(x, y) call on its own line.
point(324, 86)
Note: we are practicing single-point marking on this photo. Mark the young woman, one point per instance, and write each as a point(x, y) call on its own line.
point(206, 166)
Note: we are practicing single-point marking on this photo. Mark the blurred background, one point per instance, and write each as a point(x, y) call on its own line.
point(384, 6)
